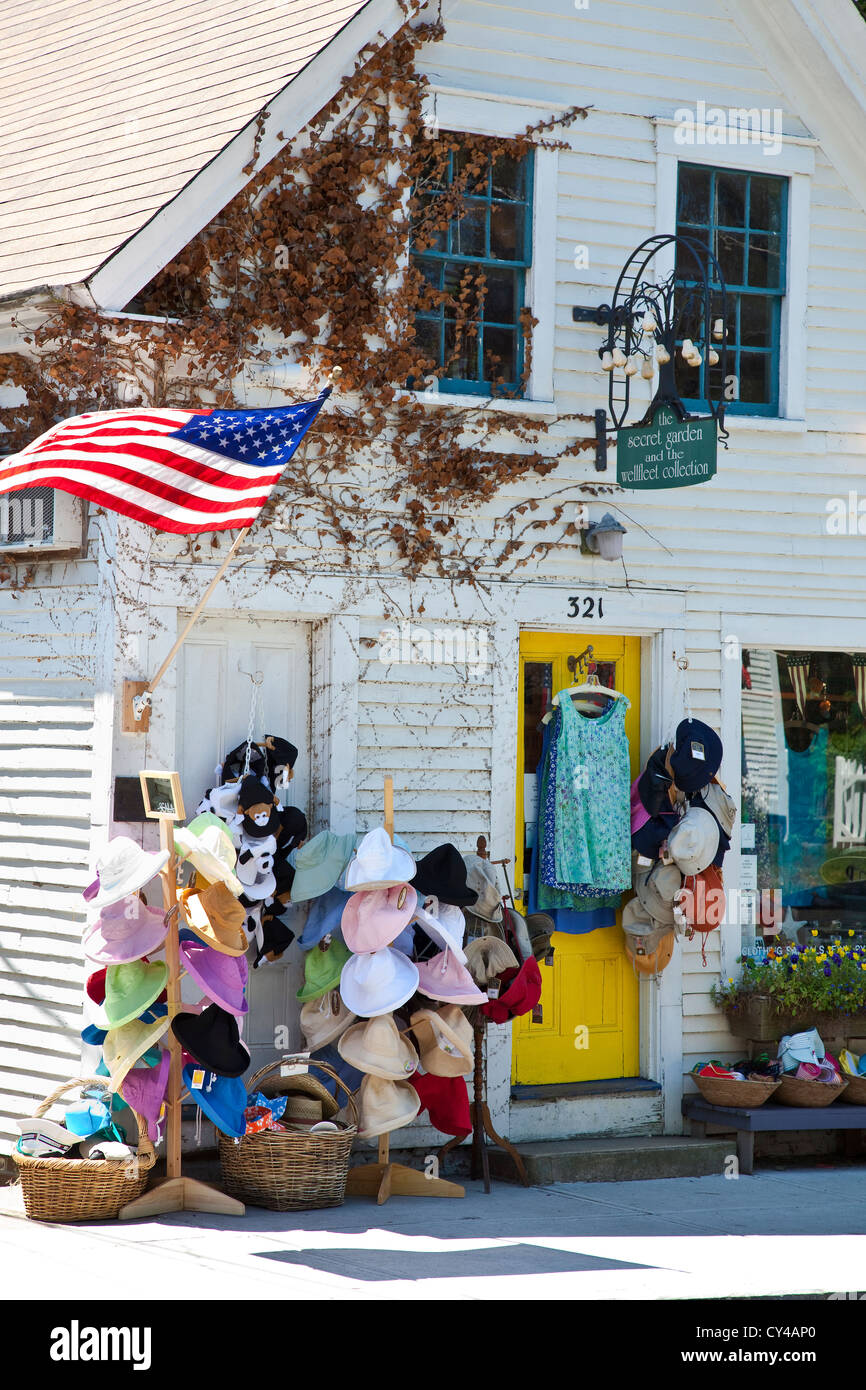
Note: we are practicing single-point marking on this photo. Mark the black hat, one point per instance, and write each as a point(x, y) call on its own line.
point(650, 837)
point(213, 1039)
point(442, 874)
point(653, 784)
point(276, 938)
point(696, 755)
point(294, 827)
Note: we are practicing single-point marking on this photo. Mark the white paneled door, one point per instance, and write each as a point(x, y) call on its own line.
point(213, 702)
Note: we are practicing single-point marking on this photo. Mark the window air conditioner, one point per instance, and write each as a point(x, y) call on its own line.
point(40, 519)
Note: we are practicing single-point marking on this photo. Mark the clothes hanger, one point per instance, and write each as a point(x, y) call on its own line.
point(590, 686)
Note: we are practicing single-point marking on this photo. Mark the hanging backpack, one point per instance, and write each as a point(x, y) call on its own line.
point(703, 905)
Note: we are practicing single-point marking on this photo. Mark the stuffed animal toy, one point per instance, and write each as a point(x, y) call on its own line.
point(280, 756)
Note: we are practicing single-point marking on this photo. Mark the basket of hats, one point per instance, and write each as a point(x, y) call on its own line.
point(854, 1071)
point(61, 1188)
point(733, 1093)
point(809, 1091)
point(296, 1157)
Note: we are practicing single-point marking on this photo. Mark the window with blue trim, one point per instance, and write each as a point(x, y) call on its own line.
point(472, 244)
point(743, 218)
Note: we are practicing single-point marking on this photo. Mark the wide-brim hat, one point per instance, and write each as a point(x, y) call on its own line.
point(696, 755)
point(131, 988)
point(324, 1019)
point(319, 863)
point(444, 978)
point(41, 1137)
point(487, 957)
point(216, 917)
point(374, 919)
point(123, 868)
point(481, 880)
point(377, 1049)
point(144, 1088)
point(694, 841)
point(222, 1098)
point(656, 889)
point(442, 874)
point(385, 1105)
point(123, 1046)
point(212, 1038)
point(446, 1101)
point(444, 923)
point(324, 915)
point(445, 1040)
point(302, 1084)
point(209, 847)
point(541, 928)
point(222, 977)
point(378, 982)
point(323, 968)
point(723, 807)
point(379, 863)
point(123, 932)
point(350, 1076)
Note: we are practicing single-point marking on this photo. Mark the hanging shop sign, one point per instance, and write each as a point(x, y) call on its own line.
point(667, 451)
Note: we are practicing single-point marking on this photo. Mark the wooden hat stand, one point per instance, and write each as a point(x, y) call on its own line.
point(384, 1178)
point(175, 1192)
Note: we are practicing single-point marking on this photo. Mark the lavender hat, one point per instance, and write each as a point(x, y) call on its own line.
point(144, 1088)
point(445, 978)
point(221, 977)
point(116, 939)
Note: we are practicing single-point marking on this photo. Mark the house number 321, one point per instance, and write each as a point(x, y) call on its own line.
point(589, 606)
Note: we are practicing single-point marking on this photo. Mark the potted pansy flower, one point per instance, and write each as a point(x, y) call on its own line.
point(794, 988)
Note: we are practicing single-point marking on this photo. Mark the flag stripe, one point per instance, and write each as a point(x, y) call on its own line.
point(186, 460)
point(181, 520)
point(201, 498)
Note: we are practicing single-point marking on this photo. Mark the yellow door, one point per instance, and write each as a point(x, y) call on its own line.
point(589, 1024)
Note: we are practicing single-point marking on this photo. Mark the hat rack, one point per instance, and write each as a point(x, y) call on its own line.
point(384, 1178)
point(175, 1192)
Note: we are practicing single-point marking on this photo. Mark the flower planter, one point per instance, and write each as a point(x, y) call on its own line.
point(760, 1021)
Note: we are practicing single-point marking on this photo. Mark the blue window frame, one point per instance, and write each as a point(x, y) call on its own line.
point(480, 262)
point(743, 217)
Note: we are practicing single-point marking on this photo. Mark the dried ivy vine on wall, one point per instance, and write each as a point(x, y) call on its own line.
point(309, 264)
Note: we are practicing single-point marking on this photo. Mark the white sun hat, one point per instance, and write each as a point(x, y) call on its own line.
point(377, 982)
point(208, 846)
point(123, 868)
point(378, 863)
point(386, 1105)
point(444, 924)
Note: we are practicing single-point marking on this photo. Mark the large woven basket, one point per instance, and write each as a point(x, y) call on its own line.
point(83, 1189)
point(286, 1170)
point(855, 1091)
point(744, 1095)
point(810, 1094)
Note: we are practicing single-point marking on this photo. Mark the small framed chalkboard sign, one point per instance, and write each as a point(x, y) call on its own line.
point(162, 796)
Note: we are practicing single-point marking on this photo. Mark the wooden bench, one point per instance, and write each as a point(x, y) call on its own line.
point(766, 1118)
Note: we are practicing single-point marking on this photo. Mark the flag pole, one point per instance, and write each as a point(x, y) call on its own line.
point(143, 701)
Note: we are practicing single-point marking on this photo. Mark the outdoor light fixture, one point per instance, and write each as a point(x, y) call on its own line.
point(604, 537)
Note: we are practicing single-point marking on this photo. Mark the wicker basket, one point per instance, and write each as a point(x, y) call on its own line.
point(82, 1189)
point(288, 1171)
point(744, 1095)
point(811, 1094)
point(855, 1091)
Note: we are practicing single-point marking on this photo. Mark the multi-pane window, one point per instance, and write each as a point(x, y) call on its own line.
point(742, 217)
point(476, 268)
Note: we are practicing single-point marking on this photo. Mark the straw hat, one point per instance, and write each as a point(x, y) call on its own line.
point(487, 957)
point(444, 924)
point(373, 919)
point(123, 1046)
point(123, 868)
point(385, 1105)
point(324, 1019)
point(378, 982)
point(302, 1086)
point(216, 917)
point(445, 1040)
point(376, 1048)
point(209, 847)
point(130, 988)
point(379, 863)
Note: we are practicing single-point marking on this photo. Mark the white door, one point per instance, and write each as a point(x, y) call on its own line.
point(213, 705)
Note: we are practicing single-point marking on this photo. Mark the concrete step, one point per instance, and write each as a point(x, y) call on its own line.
point(614, 1159)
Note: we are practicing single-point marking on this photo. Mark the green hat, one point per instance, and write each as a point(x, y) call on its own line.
point(322, 969)
point(319, 863)
point(132, 988)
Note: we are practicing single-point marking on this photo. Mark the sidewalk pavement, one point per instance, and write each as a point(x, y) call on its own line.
point(801, 1231)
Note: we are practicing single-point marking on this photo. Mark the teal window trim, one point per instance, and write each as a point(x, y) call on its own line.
point(431, 258)
point(736, 292)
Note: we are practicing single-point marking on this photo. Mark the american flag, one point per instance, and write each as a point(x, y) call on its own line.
point(178, 470)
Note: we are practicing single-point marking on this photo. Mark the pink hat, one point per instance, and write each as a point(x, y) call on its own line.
point(375, 918)
point(124, 932)
point(144, 1088)
point(445, 978)
point(221, 977)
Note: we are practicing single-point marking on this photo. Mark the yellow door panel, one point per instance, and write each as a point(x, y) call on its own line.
point(589, 1025)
